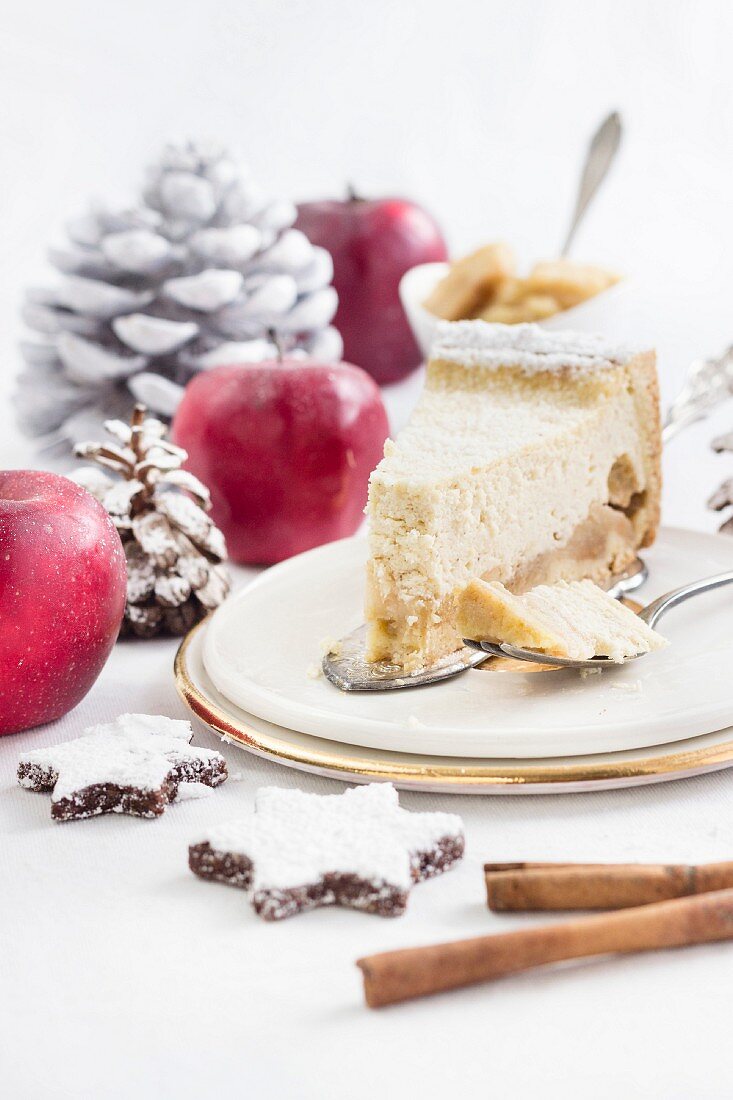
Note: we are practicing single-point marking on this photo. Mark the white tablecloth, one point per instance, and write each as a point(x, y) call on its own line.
point(124, 975)
point(121, 974)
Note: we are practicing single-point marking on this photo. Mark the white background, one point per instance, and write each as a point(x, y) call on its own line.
point(121, 974)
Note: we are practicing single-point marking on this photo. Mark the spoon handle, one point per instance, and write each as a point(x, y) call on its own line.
point(601, 152)
point(654, 611)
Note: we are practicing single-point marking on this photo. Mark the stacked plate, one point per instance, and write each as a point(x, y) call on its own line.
point(251, 673)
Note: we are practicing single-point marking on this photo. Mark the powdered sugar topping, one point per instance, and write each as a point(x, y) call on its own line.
point(136, 750)
point(528, 347)
point(295, 838)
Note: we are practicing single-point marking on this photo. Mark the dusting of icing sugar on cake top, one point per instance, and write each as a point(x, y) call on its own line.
point(528, 347)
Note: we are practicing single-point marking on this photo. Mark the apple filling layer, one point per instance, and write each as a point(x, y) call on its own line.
point(603, 544)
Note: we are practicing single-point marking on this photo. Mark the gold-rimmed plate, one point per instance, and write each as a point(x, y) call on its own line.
point(264, 643)
point(459, 775)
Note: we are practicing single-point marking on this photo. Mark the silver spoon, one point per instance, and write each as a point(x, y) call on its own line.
point(601, 154)
point(651, 615)
point(708, 382)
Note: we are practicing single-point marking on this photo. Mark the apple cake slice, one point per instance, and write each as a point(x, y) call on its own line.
point(532, 457)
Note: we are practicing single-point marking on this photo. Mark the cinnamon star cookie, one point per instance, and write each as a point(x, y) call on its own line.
point(358, 849)
point(134, 765)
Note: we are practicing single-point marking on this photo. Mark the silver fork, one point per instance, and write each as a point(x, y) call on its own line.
point(651, 615)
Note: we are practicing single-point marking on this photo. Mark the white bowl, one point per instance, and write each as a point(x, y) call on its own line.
point(614, 313)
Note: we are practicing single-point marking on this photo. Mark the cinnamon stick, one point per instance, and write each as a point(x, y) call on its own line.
point(515, 887)
point(416, 972)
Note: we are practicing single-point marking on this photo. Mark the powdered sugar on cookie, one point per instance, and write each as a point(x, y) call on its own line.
point(134, 765)
point(360, 849)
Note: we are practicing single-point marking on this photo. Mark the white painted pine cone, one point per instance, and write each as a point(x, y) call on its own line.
point(191, 276)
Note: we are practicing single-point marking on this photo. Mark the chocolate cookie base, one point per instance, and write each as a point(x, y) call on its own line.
point(231, 868)
point(347, 890)
point(447, 851)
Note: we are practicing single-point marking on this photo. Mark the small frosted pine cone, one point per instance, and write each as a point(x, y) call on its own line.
point(175, 574)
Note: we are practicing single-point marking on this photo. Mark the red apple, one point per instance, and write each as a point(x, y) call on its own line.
point(373, 243)
point(62, 594)
point(286, 449)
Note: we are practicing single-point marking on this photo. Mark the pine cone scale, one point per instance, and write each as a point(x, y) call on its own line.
point(173, 550)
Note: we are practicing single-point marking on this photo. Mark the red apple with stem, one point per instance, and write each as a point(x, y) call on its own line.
point(373, 243)
point(62, 594)
point(286, 448)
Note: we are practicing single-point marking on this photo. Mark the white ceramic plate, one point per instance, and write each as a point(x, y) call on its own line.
point(449, 775)
point(262, 644)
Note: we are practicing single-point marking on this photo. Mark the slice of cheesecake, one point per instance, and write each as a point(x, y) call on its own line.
point(533, 456)
point(573, 619)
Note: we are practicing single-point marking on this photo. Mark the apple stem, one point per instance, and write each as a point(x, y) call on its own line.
point(274, 338)
point(352, 194)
